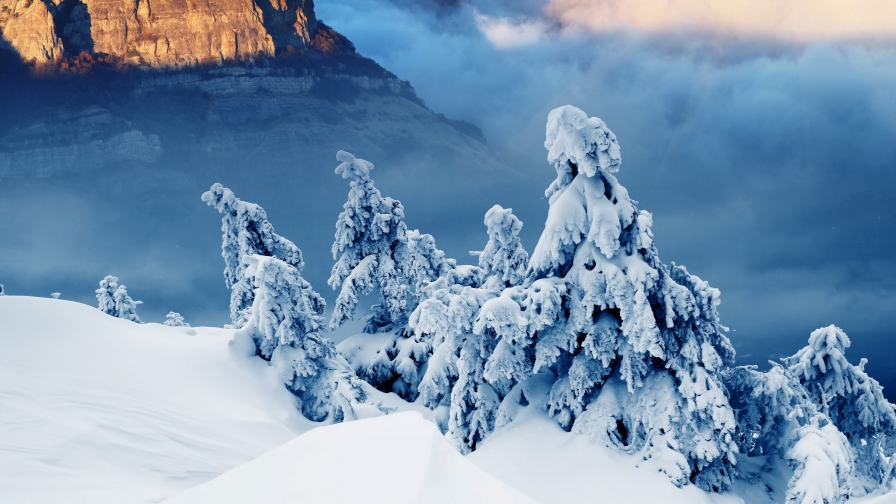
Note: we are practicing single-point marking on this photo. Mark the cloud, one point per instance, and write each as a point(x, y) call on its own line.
point(793, 20)
point(505, 33)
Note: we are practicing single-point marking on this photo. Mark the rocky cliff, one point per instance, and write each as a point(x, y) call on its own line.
point(139, 106)
point(162, 33)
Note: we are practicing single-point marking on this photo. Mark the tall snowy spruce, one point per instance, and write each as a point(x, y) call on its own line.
point(371, 251)
point(444, 320)
point(635, 346)
point(247, 231)
point(375, 251)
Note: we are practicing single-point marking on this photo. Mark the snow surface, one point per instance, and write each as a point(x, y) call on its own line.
point(399, 458)
point(96, 409)
point(99, 409)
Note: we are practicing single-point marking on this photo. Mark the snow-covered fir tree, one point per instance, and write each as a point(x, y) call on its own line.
point(455, 373)
point(391, 361)
point(125, 307)
point(114, 300)
point(284, 323)
point(503, 257)
point(247, 231)
point(635, 346)
point(371, 250)
point(2, 290)
point(777, 420)
point(174, 319)
point(55, 295)
point(852, 400)
point(105, 295)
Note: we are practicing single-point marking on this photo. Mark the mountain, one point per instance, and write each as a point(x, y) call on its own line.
point(117, 117)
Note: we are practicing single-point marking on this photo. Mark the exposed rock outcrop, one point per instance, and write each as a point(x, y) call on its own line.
point(28, 26)
point(164, 33)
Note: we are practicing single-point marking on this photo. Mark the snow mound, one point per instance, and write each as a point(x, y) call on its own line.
point(98, 409)
point(395, 458)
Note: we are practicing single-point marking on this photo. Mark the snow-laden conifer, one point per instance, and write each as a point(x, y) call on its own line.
point(503, 257)
point(777, 420)
point(125, 307)
point(247, 231)
point(113, 299)
point(852, 400)
point(174, 319)
point(105, 295)
point(2, 290)
point(599, 305)
point(455, 374)
point(370, 249)
point(284, 323)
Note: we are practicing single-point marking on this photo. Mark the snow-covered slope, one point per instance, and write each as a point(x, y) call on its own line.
point(95, 409)
point(98, 409)
point(399, 458)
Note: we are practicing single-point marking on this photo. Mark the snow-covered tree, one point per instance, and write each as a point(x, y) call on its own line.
point(445, 320)
point(2, 290)
point(777, 420)
point(284, 322)
point(599, 305)
point(55, 295)
point(125, 307)
point(504, 257)
point(105, 295)
point(852, 400)
point(114, 300)
point(247, 231)
point(371, 250)
point(174, 319)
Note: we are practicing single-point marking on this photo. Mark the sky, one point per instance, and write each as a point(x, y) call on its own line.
point(761, 135)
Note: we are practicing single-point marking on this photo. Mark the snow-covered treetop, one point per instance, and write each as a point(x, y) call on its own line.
point(853, 400)
point(578, 143)
point(504, 255)
point(427, 261)
point(824, 355)
point(247, 231)
point(367, 217)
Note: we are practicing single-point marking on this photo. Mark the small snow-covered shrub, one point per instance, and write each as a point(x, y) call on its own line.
point(247, 231)
point(114, 300)
point(174, 319)
point(55, 295)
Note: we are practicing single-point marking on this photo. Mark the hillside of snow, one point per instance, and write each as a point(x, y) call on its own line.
point(95, 409)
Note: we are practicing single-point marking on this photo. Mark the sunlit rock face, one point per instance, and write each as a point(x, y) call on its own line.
point(163, 33)
point(28, 26)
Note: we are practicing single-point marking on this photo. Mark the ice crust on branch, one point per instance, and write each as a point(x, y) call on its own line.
point(246, 231)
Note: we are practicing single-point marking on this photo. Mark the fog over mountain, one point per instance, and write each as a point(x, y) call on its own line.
point(767, 163)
